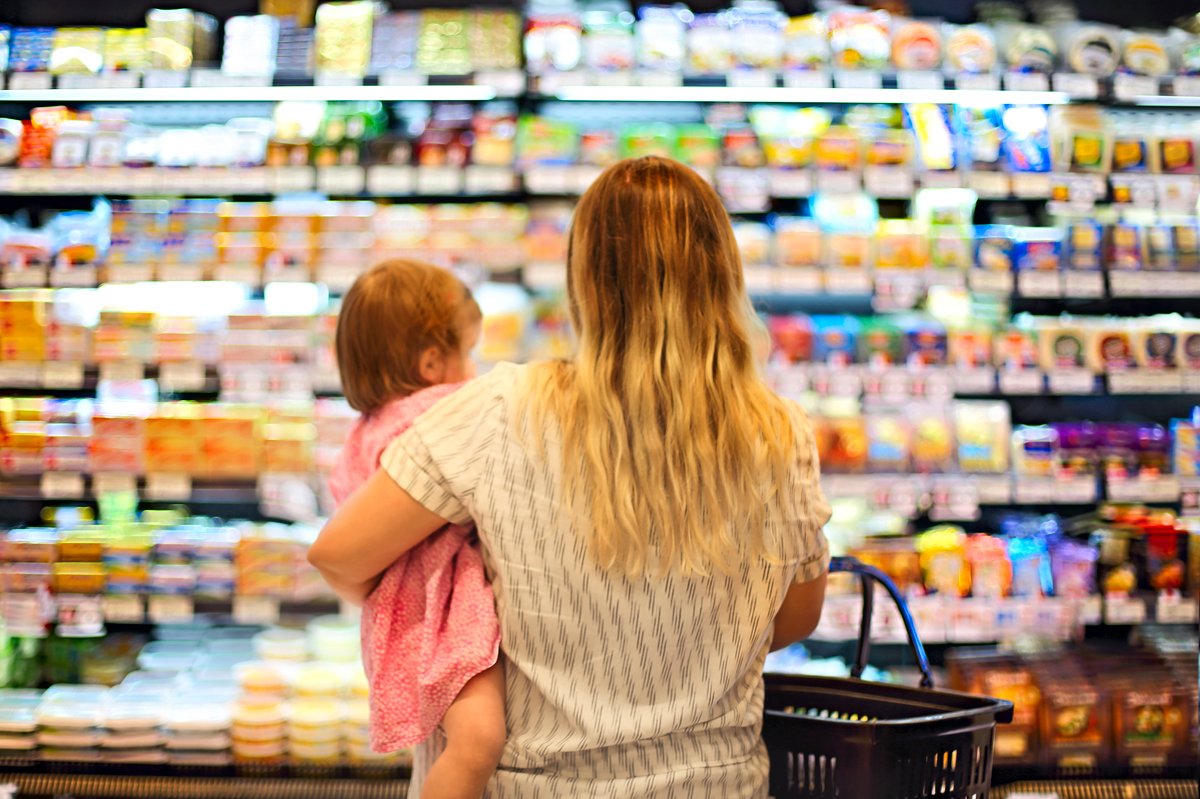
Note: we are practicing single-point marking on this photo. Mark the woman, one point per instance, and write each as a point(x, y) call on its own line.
point(649, 511)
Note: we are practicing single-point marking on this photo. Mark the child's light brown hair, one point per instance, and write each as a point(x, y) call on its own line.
point(394, 312)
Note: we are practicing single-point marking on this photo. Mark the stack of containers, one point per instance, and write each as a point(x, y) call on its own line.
point(18, 720)
point(131, 720)
point(68, 719)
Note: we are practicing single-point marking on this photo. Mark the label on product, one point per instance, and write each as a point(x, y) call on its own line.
point(954, 498)
point(993, 489)
point(934, 383)
point(838, 182)
point(1127, 88)
point(895, 289)
point(1038, 283)
point(247, 274)
point(584, 175)
point(857, 79)
point(1191, 381)
point(390, 179)
point(791, 182)
point(402, 78)
point(341, 179)
point(806, 79)
point(942, 179)
point(990, 185)
point(62, 485)
point(180, 272)
point(1161, 381)
point(658, 79)
point(977, 82)
point(920, 80)
point(506, 82)
point(168, 487)
point(1020, 381)
point(978, 380)
point(490, 179)
point(129, 273)
point(1124, 610)
point(1177, 194)
point(1035, 490)
point(1031, 185)
point(1089, 610)
point(1083, 284)
point(1187, 86)
point(1171, 608)
point(113, 483)
point(17, 374)
point(1026, 82)
point(30, 81)
point(288, 179)
point(1072, 381)
point(182, 376)
point(544, 276)
point(81, 276)
point(751, 79)
point(1078, 86)
point(122, 371)
point(985, 281)
point(23, 277)
point(79, 80)
point(1129, 381)
point(888, 181)
point(798, 280)
point(1131, 284)
point(607, 77)
point(1139, 191)
point(62, 374)
point(255, 610)
point(1075, 490)
point(337, 79)
point(971, 621)
point(124, 609)
point(439, 180)
point(759, 279)
point(79, 615)
point(548, 179)
point(1163, 488)
point(287, 496)
point(847, 281)
point(171, 609)
point(845, 383)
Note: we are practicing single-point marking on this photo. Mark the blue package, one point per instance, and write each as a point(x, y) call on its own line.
point(835, 339)
point(1084, 246)
point(1038, 249)
point(995, 247)
point(1026, 144)
point(29, 49)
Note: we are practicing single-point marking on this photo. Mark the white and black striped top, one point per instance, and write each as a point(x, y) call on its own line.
point(617, 687)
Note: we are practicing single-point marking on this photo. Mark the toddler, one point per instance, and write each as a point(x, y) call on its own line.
point(430, 636)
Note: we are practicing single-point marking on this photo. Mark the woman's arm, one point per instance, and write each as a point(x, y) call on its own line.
point(800, 613)
point(375, 526)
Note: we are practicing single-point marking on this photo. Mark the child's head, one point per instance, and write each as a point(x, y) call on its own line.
point(404, 325)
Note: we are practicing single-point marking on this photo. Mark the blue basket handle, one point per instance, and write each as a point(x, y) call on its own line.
point(868, 575)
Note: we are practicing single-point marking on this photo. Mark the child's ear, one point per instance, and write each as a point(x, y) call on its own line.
point(432, 366)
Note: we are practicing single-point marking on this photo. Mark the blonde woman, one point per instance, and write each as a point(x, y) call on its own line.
point(649, 511)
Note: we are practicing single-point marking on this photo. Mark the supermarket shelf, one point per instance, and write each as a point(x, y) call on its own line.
point(253, 94)
point(38, 780)
point(1091, 788)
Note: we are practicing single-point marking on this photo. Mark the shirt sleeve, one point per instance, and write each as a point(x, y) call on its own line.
point(810, 505)
point(441, 458)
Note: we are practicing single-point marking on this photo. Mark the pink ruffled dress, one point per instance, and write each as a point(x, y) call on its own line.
point(431, 624)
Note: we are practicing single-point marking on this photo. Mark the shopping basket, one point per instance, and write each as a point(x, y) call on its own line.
point(830, 737)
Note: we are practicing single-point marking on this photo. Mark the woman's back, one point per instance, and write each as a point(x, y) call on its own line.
point(629, 686)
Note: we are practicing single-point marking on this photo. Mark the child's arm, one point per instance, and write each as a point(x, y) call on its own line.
point(355, 593)
point(375, 526)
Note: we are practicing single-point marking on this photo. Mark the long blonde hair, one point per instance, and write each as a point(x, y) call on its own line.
point(672, 442)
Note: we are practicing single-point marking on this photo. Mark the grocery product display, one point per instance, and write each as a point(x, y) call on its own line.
point(974, 245)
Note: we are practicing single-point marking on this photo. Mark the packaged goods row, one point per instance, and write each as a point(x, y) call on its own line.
point(355, 39)
point(922, 139)
point(1089, 708)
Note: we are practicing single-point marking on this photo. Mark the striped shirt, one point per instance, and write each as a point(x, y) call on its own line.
point(617, 686)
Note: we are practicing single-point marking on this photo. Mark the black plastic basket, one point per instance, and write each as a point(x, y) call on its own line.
point(846, 738)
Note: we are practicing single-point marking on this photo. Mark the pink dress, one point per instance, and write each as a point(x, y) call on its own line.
point(431, 624)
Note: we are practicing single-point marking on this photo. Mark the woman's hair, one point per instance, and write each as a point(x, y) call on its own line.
point(672, 442)
point(395, 311)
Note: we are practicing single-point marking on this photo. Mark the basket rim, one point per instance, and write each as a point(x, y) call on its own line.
point(1000, 709)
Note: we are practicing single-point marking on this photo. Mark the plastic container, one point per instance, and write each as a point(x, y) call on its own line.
point(334, 638)
point(278, 643)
